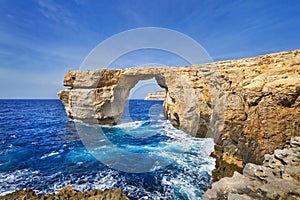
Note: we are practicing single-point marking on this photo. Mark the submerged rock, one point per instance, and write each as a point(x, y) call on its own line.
point(67, 193)
point(277, 178)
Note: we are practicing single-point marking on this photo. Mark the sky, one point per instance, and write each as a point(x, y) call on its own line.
point(40, 40)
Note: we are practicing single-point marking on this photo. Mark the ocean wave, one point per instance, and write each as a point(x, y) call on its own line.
point(129, 125)
point(53, 153)
point(16, 180)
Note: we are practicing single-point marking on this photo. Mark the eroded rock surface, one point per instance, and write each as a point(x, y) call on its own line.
point(277, 178)
point(67, 193)
point(250, 106)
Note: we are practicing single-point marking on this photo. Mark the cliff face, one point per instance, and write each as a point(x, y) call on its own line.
point(249, 106)
point(263, 107)
point(159, 95)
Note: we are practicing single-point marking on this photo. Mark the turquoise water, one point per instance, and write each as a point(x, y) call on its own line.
point(144, 155)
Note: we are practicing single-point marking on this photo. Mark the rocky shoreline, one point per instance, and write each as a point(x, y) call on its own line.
point(67, 193)
point(277, 178)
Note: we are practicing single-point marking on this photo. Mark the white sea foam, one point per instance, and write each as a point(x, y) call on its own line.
point(12, 181)
point(13, 136)
point(189, 154)
point(53, 153)
point(129, 125)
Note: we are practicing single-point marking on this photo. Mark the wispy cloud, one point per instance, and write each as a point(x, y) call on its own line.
point(55, 12)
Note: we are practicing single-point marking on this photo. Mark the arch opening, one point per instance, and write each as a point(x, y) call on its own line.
point(143, 102)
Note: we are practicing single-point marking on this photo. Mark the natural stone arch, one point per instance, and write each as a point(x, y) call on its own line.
point(106, 92)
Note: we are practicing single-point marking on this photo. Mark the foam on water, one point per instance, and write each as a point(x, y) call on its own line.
point(129, 125)
point(46, 153)
point(50, 154)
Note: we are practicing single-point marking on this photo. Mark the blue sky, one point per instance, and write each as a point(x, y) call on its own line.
point(41, 40)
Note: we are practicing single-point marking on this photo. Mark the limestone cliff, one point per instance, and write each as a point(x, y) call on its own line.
point(277, 178)
point(250, 106)
point(158, 95)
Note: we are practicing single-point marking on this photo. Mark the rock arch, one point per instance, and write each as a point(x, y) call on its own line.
point(99, 96)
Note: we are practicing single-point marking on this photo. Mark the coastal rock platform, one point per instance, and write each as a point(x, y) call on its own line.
point(277, 178)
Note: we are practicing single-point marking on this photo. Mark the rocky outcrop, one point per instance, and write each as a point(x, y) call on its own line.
point(249, 106)
point(277, 178)
point(158, 95)
point(67, 193)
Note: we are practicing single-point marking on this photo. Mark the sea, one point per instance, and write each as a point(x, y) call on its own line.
point(143, 155)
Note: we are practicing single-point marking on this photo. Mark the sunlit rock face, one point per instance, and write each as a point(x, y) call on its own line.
point(250, 106)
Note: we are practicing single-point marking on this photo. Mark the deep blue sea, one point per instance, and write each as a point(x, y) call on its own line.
point(41, 148)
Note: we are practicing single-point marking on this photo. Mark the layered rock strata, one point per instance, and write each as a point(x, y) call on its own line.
point(67, 193)
point(159, 95)
point(277, 178)
point(249, 106)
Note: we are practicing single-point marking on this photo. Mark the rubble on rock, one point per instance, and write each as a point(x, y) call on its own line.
point(67, 193)
point(277, 178)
